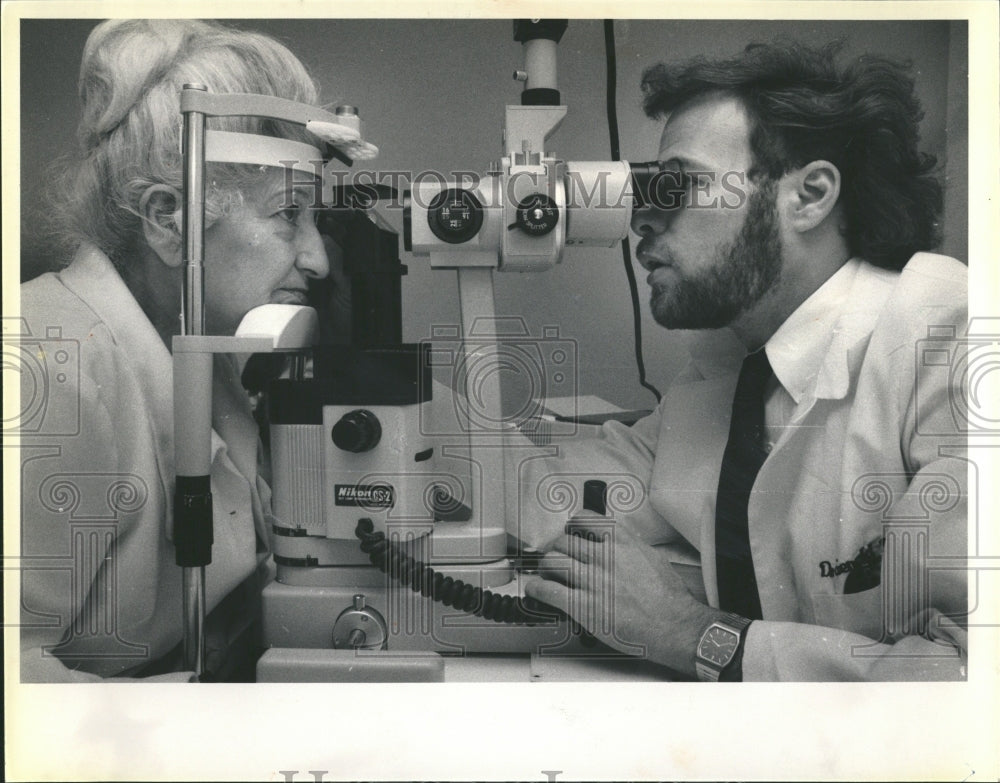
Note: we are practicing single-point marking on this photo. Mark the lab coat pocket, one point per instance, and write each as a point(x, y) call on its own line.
point(861, 613)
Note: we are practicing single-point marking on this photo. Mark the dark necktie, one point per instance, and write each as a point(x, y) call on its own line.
point(744, 455)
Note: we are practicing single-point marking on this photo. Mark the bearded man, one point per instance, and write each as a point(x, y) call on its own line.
point(821, 476)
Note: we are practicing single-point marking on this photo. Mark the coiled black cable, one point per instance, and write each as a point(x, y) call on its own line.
point(386, 556)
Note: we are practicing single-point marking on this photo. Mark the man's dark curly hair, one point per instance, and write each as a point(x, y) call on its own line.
point(863, 118)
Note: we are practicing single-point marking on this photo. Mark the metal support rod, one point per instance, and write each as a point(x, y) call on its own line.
point(193, 323)
point(483, 396)
point(194, 619)
point(193, 295)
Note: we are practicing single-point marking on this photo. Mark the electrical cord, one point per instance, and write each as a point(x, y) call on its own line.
point(612, 111)
point(386, 556)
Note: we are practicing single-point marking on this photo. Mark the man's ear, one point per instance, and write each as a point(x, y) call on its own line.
point(160, 208)
point(813, 191)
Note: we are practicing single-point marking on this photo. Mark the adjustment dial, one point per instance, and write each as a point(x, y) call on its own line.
point(537, 214)
point(357, 431)
point(455, 215)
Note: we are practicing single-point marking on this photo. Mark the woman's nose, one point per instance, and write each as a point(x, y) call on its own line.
point(310, 252)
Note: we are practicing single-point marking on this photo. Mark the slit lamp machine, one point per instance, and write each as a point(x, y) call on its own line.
point(391, 536)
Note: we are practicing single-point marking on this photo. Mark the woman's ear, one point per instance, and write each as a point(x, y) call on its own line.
point(815, 189)
point(160, 208)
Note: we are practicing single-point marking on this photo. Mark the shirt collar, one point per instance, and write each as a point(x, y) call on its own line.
point(798, 349)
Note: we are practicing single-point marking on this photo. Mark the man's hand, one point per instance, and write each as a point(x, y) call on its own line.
point(624, 592)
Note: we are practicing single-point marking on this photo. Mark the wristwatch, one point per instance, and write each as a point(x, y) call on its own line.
point(720, 649)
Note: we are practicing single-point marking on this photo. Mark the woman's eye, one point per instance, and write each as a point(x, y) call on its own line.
point(290, 214)
point(297, 215)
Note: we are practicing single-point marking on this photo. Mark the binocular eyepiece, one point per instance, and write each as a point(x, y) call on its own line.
point(655, 184)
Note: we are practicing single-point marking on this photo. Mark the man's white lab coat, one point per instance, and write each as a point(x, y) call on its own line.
point(873, 456)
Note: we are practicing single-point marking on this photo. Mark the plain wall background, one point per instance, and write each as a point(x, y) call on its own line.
point(432, 92)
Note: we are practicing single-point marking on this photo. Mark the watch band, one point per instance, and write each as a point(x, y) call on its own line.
point(730, 670)
point(733, 671)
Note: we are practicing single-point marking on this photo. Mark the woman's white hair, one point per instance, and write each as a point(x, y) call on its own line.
point(129, 133)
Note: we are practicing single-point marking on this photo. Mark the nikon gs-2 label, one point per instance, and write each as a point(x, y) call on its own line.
point(365, 495)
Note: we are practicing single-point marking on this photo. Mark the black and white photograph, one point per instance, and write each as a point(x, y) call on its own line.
point(619, 388)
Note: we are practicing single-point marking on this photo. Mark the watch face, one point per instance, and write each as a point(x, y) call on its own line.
point(718, 645)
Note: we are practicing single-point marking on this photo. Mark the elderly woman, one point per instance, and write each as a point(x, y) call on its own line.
point(101, 595)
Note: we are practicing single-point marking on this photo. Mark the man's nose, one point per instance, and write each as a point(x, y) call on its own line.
point(310, 252)
point(647, 221)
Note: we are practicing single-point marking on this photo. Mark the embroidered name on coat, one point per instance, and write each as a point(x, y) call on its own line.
point(863, 570)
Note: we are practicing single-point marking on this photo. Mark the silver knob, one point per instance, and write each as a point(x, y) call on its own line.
point(359, 627)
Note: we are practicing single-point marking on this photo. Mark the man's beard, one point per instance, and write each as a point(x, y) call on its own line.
point(741, 274)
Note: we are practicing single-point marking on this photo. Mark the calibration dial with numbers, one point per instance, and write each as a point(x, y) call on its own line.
point(455, 215)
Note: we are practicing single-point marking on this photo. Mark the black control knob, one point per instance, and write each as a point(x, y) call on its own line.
point(537, 214)
point(357, 431)
point(455, 215)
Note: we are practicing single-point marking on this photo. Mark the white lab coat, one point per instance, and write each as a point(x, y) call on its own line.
point(97, 481)
point(873, 449)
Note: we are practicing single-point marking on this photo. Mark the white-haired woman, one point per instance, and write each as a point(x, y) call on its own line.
point(101, 592)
